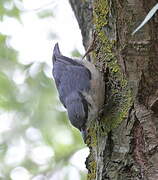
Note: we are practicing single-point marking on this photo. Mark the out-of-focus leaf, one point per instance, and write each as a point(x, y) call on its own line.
point(147, 18)
point(14, 12)
point(2, 11)
point(3, 38)
point(7, 93)
point(6, 53)
point(45, 14)
point(76, 53)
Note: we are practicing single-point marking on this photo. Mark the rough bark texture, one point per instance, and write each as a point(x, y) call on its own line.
point(124, 143)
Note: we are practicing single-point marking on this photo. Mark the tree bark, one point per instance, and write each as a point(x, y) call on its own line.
point(124, 143)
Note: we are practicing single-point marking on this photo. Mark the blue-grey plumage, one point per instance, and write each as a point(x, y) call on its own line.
point(80, 86)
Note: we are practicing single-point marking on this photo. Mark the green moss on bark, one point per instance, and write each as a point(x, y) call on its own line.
point(119, 98)
point(118, 94)
point(92, 174)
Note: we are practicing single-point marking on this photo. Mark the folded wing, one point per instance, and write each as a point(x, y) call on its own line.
point(69, 75)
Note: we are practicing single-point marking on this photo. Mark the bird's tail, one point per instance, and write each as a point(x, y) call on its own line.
point(56, 52)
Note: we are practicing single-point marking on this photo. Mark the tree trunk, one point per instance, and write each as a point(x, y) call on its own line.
point(124, 143)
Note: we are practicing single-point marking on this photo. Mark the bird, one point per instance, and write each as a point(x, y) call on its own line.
point(81, 89)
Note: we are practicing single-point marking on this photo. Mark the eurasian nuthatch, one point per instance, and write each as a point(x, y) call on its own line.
point(81, 88)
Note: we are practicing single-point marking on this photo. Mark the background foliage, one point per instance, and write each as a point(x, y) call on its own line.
point(36, 139)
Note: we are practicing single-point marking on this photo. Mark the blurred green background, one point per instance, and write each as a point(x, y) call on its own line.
point(36, 139)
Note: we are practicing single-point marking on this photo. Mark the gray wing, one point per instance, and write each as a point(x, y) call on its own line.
point(69, 75)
